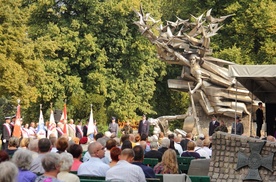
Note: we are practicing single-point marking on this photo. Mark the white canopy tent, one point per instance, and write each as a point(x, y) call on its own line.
point(260, 80)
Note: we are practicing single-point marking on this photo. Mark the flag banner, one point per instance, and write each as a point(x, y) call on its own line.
point(41, 133)
point(63, 119)
point(91, 125)
point(17, 125)
point(52, 125)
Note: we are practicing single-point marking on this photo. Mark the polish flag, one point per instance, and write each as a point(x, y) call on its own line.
point(17, 125)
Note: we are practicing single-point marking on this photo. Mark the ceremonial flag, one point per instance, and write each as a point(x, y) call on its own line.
point(52, 125)
point(41, 133)
point(91, 125)
point(17, 125)
point(63, 119)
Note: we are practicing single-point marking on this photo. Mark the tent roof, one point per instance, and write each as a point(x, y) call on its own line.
point(258, 79)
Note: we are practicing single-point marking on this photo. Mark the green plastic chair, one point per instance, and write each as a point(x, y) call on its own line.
point(151, 162)
point(200, 178)
point(160, 177)
point(184, 164)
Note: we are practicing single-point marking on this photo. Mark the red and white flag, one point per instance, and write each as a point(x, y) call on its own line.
point(17, 125)
point(63, 119)
point(91, 126)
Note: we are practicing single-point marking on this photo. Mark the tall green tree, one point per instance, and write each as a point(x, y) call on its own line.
point(20, 69)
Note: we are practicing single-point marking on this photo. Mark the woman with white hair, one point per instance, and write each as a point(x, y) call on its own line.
point(9, 171)
point(64, 175)
point(23, 160)
point(51, 165)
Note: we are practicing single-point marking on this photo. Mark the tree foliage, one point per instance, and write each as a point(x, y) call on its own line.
point(89, 52)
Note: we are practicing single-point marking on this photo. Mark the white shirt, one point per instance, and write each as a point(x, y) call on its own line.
point(208, 150)
point(178, 147)
point(68, 177)
point(124, 171)
point(202, 152)
point(94, 167)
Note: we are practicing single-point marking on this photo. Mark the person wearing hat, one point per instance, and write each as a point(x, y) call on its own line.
point(6, 133)
point(213, 125)
point(113, 127)
point(144, 126)
point(237, 127)
point(259, 119)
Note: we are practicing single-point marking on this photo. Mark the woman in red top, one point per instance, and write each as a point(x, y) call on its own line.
point(76, 151)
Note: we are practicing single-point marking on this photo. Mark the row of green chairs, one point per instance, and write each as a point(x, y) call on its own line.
point(92, 178)
point(183, 163)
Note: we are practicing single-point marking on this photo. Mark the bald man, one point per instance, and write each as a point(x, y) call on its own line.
point(94, 166)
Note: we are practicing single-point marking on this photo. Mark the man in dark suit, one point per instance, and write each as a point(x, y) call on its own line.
point(259, 118)
point(144, 126)
point(79, 130)
point(85, 128)
point(7, 132)
point(213, 125)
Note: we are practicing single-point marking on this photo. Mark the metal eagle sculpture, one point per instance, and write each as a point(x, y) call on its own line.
point(187, 43)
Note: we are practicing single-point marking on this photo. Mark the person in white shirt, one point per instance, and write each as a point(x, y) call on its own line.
point(177, 145)
point(199, 149)
point(94, 166)
point(32, 131)
point(206, 145)
point(124, 170)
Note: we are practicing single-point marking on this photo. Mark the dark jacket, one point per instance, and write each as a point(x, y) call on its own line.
point(148, 171)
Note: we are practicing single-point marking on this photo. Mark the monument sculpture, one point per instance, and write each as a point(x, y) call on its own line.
point(205, 78)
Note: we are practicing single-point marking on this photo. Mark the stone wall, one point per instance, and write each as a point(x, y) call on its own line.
point(224, 159)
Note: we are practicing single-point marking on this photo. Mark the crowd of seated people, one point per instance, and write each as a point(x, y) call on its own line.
point(62, 159)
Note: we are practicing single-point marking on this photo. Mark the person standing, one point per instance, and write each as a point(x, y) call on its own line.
point(79, 130)
point(7, 132)
point(237, 127)
point(213, 125)
point(127, 129)
point(144, 126)
point(222, 127)
point(113, 127)
point(259, 118)
point(85, 128)
point(72, 129)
